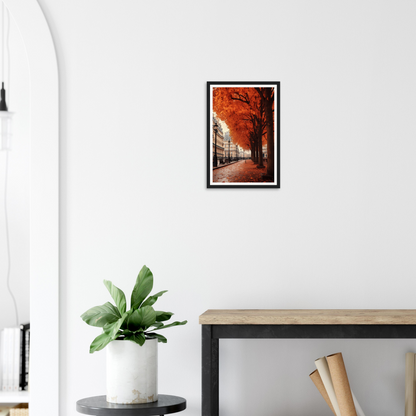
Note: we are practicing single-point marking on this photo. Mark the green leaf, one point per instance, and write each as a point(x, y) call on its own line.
point(163, 316)
point(100, 342)
point(138, 338)
point(157, 325)
point(127, 332)
point(148, 316)
point(152, 299)
point(118, 296)
point(143, 286)
point(124, 324)
point(173, 324)
point(101, 315)
point(133, 321)
point(160, 338)
point(112, 329)
point(141, 318)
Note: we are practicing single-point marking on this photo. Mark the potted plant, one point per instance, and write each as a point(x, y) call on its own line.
point(131, 340)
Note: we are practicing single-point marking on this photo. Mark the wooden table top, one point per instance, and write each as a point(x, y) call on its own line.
point(308, 317)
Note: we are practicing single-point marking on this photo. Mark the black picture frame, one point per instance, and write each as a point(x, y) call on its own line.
point(212, 136)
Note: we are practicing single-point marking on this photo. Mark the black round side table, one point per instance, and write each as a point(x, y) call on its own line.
point(99, 406)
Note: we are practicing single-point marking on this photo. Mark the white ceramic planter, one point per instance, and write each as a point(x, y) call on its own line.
point(132, 372)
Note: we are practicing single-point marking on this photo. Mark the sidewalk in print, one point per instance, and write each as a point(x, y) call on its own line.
point(242, 171)
point(223, 166)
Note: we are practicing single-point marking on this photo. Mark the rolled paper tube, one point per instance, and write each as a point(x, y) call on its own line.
point(409, 406)
point(323, 370)
point(357, 405)
point(316, 378)
point(341, 384)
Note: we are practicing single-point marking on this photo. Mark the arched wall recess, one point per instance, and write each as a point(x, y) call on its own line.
point(44, 206)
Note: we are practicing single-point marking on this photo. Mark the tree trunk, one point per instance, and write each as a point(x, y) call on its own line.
point(260, 146)
point(270, 136)
point(266, 95)
point(255, 152)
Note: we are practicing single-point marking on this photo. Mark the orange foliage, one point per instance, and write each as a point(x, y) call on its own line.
point(238, 108)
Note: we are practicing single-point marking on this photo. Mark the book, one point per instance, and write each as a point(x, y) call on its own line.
point(16, 359)
point(4, 360)
point(24, 356)
point(27, 357)
point(1, 360)
point(21, 357)
point(10, 359)
point(7, 356)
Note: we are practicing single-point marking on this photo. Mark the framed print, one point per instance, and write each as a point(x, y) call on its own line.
point(243, 140)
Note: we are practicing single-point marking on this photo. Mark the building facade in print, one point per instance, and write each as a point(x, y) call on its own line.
point(232, 150)
point(229, 147)
point(219, 141)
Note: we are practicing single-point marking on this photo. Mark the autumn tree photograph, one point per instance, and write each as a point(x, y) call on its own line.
point(243, 134)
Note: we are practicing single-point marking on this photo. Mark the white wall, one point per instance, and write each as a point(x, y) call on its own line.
point(18, 207)
point(340, 233)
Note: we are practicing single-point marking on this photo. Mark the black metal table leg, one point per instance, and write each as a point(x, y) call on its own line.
point(210, 373)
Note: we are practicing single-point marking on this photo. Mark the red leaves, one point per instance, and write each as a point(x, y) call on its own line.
point(237, 107)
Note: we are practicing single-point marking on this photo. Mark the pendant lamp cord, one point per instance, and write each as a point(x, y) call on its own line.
point(9, 259)
point(8, 54)
point(2, 41)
